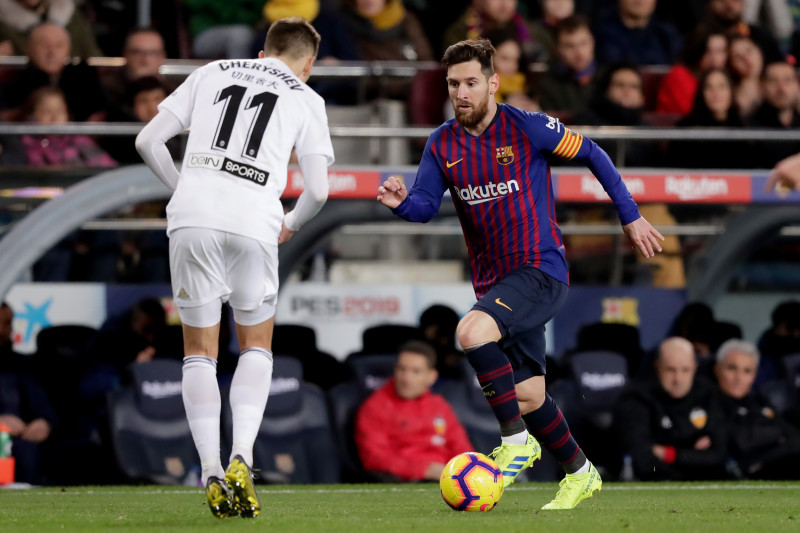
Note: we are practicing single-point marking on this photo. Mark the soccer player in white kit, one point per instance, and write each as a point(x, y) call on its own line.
point(225, 221)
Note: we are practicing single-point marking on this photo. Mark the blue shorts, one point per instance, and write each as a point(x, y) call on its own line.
point(521, 304)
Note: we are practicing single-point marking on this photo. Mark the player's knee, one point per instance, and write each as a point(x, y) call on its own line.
point(475, 329)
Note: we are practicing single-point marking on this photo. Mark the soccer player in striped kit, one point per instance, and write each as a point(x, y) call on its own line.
point(492, 158)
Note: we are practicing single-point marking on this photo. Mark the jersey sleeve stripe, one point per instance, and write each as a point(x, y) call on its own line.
point(561, 144)
point(565, 145)
point(576, 145)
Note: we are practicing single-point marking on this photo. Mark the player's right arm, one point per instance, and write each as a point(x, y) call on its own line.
point(174, 116)
point(151, 143)
point(422, 202)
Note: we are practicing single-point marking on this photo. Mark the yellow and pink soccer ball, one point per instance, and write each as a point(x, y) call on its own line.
point(471, 482)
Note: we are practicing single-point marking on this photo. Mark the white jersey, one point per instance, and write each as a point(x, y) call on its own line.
point(244, 116)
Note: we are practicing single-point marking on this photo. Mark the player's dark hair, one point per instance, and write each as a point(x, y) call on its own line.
point(422, 348)
point(294, 37)
point(480, 50)
point(570, 25)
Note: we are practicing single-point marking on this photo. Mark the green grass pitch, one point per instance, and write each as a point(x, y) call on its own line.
point(650, 508)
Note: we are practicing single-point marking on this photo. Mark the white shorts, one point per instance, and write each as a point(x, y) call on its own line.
point(210, 267)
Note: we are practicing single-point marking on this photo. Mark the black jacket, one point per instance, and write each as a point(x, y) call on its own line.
point(646, 415)
point(20, 392)
point(757, 433)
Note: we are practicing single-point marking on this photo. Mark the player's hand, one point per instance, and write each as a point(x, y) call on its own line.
point(37, 431)
point(434, 471)
point(15, 425)
point(643, 236)
point(392, 192)
point(786, 174)
point(285, 234)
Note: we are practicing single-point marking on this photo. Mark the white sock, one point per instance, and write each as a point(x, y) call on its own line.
point(249, 393)
point(584, 468)
point(202, 403)
point(517, 438)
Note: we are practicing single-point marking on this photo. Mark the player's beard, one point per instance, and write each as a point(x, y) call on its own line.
point(470, 119)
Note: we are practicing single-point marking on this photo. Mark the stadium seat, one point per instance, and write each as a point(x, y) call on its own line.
point(370, 372)
point(587, 397)
point(295, 443)
point(319, 368)
point(386, 338)
point(622, 339)
point(149, 430)
point(466, 398)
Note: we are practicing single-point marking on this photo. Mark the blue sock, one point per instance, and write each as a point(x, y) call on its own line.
point(497, 382)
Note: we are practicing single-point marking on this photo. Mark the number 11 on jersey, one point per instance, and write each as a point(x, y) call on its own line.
point(232, 97)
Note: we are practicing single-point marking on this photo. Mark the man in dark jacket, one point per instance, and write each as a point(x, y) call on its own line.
point(764, 445)
point(779, 110)
point(24, 407)
point(673, 427)
point(631, 33)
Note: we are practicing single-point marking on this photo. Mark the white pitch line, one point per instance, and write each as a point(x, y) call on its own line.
point(651, 487)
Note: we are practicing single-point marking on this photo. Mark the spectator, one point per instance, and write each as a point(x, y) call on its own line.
point(49, 52)
point(714, 107)
point(746, 63)
point(632, 33)
point(673, 427)
point(569, 82)
point(728, 16)
point(48, 105)
point(223, 28)
point(438, 325)
point(544, 29)
point(483, 16)
point(136, 336)
point(772, 15)
point(512, 68)
point(337, 43)
point(12, 152)
point(682, 14)
point(703, 50)
point(24, 406)
point(405, 432)
point(19, 17)
point(144, 54)
point(140, 105)
point(385, 31)
point(781, 339)
point(619, 101)
point(779, 110)
point(763, 444)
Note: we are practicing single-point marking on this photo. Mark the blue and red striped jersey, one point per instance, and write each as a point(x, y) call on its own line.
point(501, 187)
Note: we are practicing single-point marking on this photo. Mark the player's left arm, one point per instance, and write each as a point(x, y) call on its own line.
point(315, 154)
point(551, 136)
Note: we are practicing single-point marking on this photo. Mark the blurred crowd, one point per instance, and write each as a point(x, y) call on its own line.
point(702, 63)
point(703, 404)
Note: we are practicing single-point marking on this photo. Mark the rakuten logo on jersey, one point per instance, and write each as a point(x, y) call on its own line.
point(486, 193)
point(590, 185)
point(688, 188)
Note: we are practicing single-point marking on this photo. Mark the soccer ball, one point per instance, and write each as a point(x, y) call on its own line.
point(471, 482)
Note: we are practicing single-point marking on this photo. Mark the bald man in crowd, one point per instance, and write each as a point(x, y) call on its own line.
point(673, 425)
point(49, 54)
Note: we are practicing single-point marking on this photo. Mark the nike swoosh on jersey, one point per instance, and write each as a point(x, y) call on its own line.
point(449, 164)
point(498, 302)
